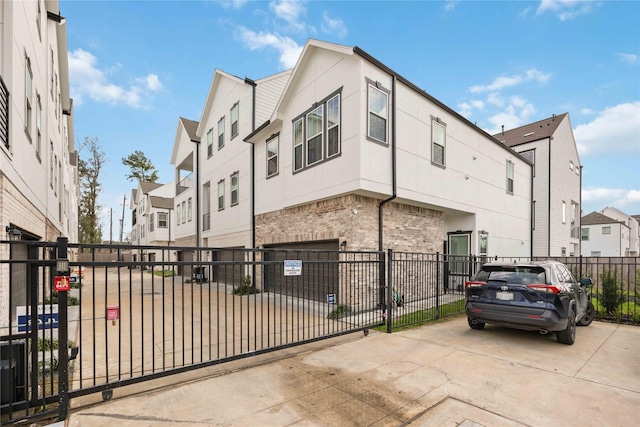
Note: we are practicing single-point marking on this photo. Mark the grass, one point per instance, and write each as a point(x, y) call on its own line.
point(418, 318)
point(164, 273)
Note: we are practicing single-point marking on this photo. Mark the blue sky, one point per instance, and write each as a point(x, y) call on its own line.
point(136, 66)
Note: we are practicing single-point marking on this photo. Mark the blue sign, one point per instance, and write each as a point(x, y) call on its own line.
point(47, 318)
point(331, 298)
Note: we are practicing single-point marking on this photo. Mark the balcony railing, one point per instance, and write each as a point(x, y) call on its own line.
point(206, 221)
point(4, 114)
point(184, 184)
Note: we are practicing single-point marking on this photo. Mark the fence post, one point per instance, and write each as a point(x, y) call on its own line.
point(62, 268)
point(437, 285)
point(390, 293)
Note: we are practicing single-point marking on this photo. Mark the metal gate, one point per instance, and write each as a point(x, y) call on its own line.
point(124, 322)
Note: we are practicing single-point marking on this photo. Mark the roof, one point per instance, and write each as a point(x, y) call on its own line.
point(190, 126)
point(531, 132)
point(595, 218)
point(147, 187)
point(161, 202)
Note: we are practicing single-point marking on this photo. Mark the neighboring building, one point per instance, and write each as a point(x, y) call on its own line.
point(38, 161)
point(604, 236)
point(356, 157)
point(557, 184)
point(609, 232)
point(152, 213)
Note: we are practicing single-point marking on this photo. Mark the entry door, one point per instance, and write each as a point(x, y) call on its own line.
point(459, 245)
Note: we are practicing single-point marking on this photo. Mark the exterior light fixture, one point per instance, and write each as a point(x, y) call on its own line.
point(13, 233)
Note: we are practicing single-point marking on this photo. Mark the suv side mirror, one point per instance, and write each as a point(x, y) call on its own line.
point(585, 281)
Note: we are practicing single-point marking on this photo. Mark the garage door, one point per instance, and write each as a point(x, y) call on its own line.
point(319, 276)
point(231, 272)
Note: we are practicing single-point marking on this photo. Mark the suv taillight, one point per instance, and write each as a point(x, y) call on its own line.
point(470, 284)
point(549, 289)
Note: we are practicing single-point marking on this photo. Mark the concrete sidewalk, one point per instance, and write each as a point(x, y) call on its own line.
point(442, 374)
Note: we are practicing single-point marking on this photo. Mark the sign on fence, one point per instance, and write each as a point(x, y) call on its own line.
point(292, 267)
point(47, 317)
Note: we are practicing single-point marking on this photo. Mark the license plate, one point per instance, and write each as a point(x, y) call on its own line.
point(504, 296)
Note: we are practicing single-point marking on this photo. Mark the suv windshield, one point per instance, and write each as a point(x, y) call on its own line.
point(515, 275)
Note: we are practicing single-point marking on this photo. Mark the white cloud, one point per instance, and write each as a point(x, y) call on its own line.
point(289, 50)
point(509, 81)
point(566, 9)
point(333, 26)
point(616, 129)
point(233, 4)
point(87, 80)
point(614, 197)
point(587, 111)
point(518, 112)
point(291, 12)
point(629, 58)
point(450, 4)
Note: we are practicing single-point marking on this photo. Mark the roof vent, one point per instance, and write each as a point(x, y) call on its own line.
point(528, 134)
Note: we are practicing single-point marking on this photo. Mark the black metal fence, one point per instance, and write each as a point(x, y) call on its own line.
point(139, 313)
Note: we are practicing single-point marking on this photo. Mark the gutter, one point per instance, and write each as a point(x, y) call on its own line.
point(393, 168)
point(198, 232)
point(549, 203)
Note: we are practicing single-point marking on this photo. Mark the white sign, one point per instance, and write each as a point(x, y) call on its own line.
point(331, 298)
point(292, 267)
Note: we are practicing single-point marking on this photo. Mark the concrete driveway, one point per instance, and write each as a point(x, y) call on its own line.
point(441, 374)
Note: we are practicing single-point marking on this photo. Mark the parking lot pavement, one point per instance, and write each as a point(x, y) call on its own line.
point(441, 374)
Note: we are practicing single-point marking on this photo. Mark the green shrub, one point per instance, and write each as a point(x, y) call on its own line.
point(611, 296)
point(339, 312)
point(245, 287)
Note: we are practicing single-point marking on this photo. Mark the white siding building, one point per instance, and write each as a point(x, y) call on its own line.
point(604, 236)
point(38, 161)
point(152, 208)
point(549, 144)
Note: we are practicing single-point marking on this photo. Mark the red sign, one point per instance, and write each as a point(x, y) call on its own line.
point(113, 312)
point(61, 283)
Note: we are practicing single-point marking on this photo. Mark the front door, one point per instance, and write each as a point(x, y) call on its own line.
point(458, 261)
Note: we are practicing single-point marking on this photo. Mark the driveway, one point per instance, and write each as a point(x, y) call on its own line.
point(441, 374)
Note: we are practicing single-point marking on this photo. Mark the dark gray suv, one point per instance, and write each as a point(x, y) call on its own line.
point(537, 296)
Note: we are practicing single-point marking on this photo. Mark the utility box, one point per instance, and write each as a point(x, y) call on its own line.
point(13, 371)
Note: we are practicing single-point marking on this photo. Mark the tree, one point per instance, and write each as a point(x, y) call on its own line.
point(141, 168)
point(90, 230)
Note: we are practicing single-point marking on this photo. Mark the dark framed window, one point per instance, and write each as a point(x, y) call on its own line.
point(221, 195)
point(438, 142)
point(220, 133)
point(234, 119)
point(510, 176)
point(378, 114)
point(272, 156)
point(210, 143)
point(234, 188)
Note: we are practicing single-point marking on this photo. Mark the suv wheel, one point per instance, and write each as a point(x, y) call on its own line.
point(474, 324)
point(589, 315)
point(568, 336)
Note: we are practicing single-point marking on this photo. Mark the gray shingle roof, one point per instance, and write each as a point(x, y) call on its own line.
point(531, 132)
point(147, 187)
point(190, 126)
point(161, 202)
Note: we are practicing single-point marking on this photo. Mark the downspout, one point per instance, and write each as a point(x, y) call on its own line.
point(393, 167)
point(580, 217)
point(252, 164)
point(533, 214)
point(198, 213)
point(549, 203)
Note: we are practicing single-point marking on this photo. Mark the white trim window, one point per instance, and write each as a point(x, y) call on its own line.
point(162, 220)
point(584, 234)
point(510, 176)
point(564, 212)
point(178, 214)
point(152, 222)
point(234, 188)
point(221, 133)
point(315, 135)
point(272, 156)
point(378, 114)
point(189, 210)
point(28, 96)
point(209, 143)
point(438, 142)
point(38, 126)
point(221, 195)
point(298, 145)
point(184, 212)
point(606, 230)
point(333, 126)
point(234, 119)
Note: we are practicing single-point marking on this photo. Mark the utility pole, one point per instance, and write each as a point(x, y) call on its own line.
point(111, 227)
point(124, 203)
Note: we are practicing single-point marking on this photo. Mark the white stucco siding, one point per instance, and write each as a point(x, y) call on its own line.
point(565, 187)
point(609, 245)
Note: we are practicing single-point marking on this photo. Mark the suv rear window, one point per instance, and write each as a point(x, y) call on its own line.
point(515, 275)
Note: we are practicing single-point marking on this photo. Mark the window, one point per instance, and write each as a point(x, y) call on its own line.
point(152, 222)
point(564, 212)
point(606, 230)
point(563, 251)
point(316, 133)
point(220, 133)
point(38, 126)
point(51, 165)
point(510, 177)
point(189, 209)
point(584, 234)
point(28, 92)
point(595, 253)
point(438, 141)
point(378, 113)
point(184, 212)
point(52, 70)
point(234, 189)
point(221, 195)
point(206, 206)
point(210, 143)
point(234, 120)
point(570, 165)
point(533, 215)
point(38, 20)
point(178, 214)
point(577, 170)
point(272, 156)
point(163, 220)
point(297, 145)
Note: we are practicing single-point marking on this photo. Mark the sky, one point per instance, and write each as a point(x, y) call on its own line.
point(136, 66)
